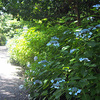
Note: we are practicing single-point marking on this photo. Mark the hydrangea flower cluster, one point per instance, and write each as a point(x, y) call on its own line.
point(82, 33)
point(21, 87)
point(53, 41)
point(42, 62)
point(84, 59)
point(56, 82)
point(29, 97)
point(37, 81)
point(28, 65)
point(72, 50)
point(90, 18)
point(35, 58)
point(96, 6)
point(74, 90)
point(25, 29)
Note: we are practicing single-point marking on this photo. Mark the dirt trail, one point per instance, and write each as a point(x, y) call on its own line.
point(10, 79)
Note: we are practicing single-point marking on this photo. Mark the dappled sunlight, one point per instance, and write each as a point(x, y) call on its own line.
point(10, 78)
point(6, 69)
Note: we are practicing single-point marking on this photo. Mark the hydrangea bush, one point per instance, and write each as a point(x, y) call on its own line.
point(61, 64)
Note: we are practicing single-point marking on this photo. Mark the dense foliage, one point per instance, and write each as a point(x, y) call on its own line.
point(61, 62)
point(61, 59)
point(50, 9)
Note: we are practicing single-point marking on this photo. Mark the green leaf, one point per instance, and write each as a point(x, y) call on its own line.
point(57, 94)
point(44, 92)
point(92, 44)
point(86, 97)
point(91, 77)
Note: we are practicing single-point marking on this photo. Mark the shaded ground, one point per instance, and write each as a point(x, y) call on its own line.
point(10, 79)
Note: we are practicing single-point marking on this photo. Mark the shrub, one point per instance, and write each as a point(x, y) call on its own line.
point(2, 39)
point(62, 63)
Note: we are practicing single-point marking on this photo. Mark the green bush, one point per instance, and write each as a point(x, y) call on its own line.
point(2, 39)
point(62, 63)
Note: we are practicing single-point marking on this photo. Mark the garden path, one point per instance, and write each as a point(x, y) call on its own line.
point(10, 79)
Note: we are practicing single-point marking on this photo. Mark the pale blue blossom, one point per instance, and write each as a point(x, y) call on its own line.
point(44, 65)
point(35, 58)
point(96, 6)
point(43, 61)
point(37, 81)
point(70, 93)
point(84, 31)
point(85, 59)
point(74, 90)
point(52, 81)
point(65, 32)
point(56, 85)
point(55, 43)
point(25, 29)
point(48, 44)
point(75, 93)
point(97, 26)
point(55, 38)
point(94, 28)
point(29, 97)
point(21, 87)
point(90, 28)
point(90, 18)
point(28, 65)
point(79, 91)
point(71, 51)
point(58, 79)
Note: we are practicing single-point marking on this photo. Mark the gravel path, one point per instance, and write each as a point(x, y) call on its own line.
point(10, 79)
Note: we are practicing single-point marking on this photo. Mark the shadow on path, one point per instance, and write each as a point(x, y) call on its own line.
point(10, 79)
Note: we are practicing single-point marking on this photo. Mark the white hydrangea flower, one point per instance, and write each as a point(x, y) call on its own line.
point(25, 29)
point(21, 87)
point(29, 97)
point(35, 58)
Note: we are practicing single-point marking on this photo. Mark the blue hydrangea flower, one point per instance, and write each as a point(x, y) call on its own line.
point(85, 59)
point(43, 61)
point(52, 81)
point(70, 93)
point(97, 26)
point(28, 65)
point(74, 90)
point(96, 6)
point(37, 81)
point(55, 38)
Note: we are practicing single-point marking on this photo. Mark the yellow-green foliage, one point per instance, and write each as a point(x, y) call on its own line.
point(31, 43)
